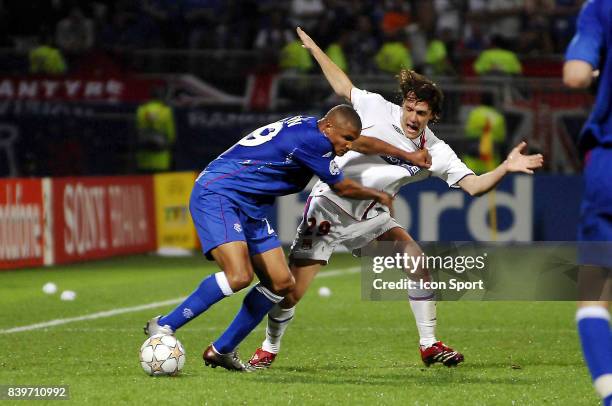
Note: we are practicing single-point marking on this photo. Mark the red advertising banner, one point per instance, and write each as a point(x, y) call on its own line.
point(111, 89)
point(100, 217)
point(22, 242)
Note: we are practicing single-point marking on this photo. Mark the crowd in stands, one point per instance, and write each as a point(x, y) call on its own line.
point(363, 36)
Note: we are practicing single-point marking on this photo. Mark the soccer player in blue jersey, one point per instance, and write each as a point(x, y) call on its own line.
point(229, 205)
point(589, 60)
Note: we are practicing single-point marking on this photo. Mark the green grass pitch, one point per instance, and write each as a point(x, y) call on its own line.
point(338, 350)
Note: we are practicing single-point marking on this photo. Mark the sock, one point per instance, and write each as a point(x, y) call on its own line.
point(596, 340)
point(278, 321)
point(256, 304)
point(211, 290)
point(424, 309)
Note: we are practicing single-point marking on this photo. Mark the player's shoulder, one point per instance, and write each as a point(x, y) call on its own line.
point(372, 104)
point(437, 147)
point(431, 139)
point(310, 138)
point(361, 96)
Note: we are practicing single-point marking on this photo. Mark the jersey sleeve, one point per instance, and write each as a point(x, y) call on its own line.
point(588, 40)
point(446, 165)
point(319, 158)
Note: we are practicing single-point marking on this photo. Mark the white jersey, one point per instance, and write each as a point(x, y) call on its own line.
point(381, 119)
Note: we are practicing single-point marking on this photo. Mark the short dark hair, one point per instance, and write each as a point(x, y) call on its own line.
point(345, 114)
point(419, 87)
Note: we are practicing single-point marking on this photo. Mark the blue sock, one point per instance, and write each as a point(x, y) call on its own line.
point(257, 303)
point(596, 340)
point(210, 291)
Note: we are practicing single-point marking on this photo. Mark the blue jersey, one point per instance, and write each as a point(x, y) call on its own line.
point(591, 44)
point(274, 160)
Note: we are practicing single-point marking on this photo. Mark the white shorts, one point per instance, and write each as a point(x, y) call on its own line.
point(325, 225)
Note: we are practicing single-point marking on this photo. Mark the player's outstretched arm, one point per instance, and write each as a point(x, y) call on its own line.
point(338, 80)
point(515, 162)
point(373, 146)
point(351, 189)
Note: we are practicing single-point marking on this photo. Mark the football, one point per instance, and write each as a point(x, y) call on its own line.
point(162, 354)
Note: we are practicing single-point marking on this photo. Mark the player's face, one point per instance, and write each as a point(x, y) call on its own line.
point(415, 116)
point(341, 138)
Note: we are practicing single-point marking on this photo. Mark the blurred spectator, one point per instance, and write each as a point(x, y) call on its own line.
point(563, 22)
point(395, 18)
point(364, 43)
point(394, 55)
point(306, 13)
point(168, 17)
point(475, 38)
point(486, 129)
point(156, 134)
point(502, 18)
point(536, 36)
point(498, 60)
point(449, 18)
point(127, 28)
point(339, 16)
point(237, 24)
point(75, 33)
point(274, 33)
point(203, 22)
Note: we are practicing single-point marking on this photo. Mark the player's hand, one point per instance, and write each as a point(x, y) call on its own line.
point(517, 162)
point(420, 158)
point(386, 199)
point(307, 42)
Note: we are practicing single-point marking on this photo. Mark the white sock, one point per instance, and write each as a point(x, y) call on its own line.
point(424, 309)
point(278, 320)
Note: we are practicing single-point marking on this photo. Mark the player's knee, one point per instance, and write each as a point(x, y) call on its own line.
point(284, 286)
point(239, 280)
point(291, 299)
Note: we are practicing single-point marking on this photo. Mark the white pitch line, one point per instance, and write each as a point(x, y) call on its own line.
point(114, 312)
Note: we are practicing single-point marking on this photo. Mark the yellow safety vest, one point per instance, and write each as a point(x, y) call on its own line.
point(294, 56)
point(45, 59)
point(392, 57)
point(154, 119)
point(488, 125)
point(497, 60)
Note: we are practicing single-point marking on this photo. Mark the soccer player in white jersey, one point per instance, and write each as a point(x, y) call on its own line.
point(330, 220)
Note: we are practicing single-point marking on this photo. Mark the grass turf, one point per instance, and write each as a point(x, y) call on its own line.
point(338, 349)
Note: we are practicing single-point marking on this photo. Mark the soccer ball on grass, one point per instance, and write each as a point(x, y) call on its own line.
point(162, 354)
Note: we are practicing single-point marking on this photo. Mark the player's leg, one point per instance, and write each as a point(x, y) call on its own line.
point(219, 228)
point(260, 299)
point(422, 303)
point(314, 243)
point(269, 263)
point(594, 279)
point(593, 323)
point(281, 315)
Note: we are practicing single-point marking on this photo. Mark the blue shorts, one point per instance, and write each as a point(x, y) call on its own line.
point(218, 220)
point(595, 225)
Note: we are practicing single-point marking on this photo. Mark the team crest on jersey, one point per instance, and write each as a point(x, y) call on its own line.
point(238, 227)
point(413, 169)
point(333, 168)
